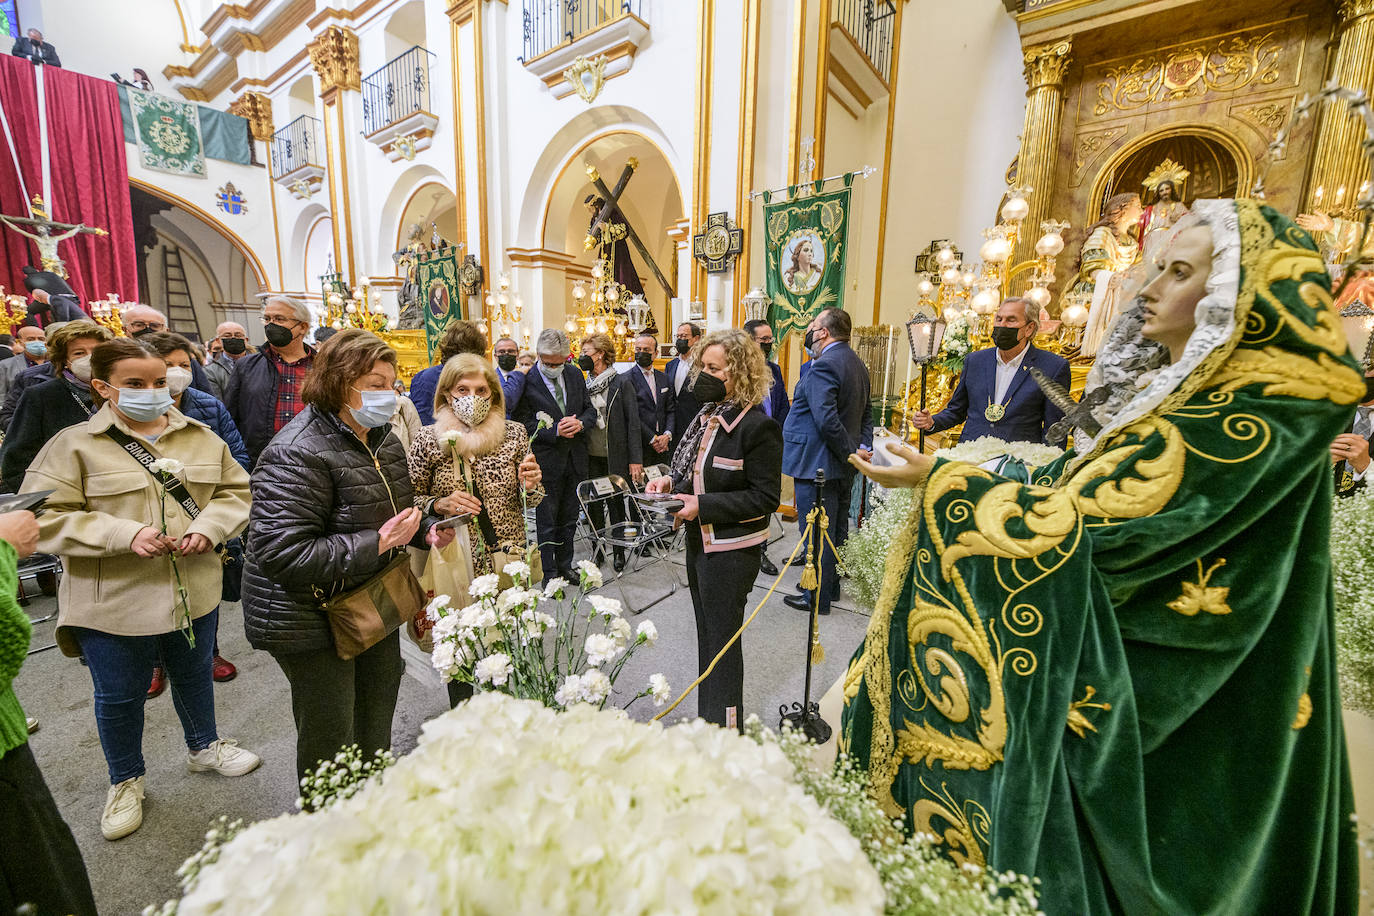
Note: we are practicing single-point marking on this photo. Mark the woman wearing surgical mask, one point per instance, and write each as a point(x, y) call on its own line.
point(122, 603)
point(51, 406)
point(332, 506)
point(727, 471)
point(473, 461)
point(197, 405)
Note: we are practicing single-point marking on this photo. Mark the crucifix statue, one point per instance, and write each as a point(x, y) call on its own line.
point(603, 213)
point(43, 235)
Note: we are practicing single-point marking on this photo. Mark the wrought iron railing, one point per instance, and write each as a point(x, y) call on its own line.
point(295, 145)
point(396, 91)
point(870, 23)
point(550, 23)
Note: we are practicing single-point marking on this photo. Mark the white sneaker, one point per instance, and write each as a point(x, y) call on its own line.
point(225, 757)
point(32, 723)
point(123, 809)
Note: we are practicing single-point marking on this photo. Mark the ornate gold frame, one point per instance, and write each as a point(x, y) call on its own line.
point(1245, 160)
point(580, 67)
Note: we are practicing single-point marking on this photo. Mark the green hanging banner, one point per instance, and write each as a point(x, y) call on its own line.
point(168, 132)
point(806, 257)
point(436, 274)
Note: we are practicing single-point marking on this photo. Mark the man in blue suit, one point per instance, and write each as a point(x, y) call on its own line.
point(679, 370)
point(506, 352)
point(996, 395)
point(775, 405)
point(559, 392)
point(654, 395)
point(830, 420)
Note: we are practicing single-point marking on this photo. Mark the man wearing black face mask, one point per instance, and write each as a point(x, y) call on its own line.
point(234, 340)
point(265, 390)
point(679, 368)
point(654, 394)
point(1350, 450)
point(505, 354)
point(995, 395)
point(141, 320)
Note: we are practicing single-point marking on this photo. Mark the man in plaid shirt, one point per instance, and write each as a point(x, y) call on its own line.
point(264, 392)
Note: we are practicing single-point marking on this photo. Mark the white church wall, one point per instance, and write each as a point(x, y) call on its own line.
point(100, 37)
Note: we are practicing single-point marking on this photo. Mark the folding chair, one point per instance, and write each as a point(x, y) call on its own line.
point(662, 525)
point(639, 534)
point(46, 569)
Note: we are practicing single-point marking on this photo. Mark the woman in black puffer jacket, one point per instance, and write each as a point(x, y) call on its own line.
point(332, 504)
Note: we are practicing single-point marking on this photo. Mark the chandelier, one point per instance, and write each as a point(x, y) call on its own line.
point(13, 309)
point(595, 308)
point(106, 312)
point(503, 311)
point(362, 309)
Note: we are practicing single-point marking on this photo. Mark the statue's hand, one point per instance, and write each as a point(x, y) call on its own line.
point(911, 474)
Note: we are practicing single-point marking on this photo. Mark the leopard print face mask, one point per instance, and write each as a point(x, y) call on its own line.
point(471, 409)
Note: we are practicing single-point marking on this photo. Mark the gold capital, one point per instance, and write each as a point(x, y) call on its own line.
point(1350, 10)
point(1047, 64)
point(334, 55)
point(257, 108)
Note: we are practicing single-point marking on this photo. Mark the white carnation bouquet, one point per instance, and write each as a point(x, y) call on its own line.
point(527, 643)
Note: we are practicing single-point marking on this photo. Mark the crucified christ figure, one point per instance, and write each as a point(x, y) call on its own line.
point(43, 235)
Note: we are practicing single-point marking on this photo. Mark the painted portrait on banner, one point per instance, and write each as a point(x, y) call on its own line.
point(438, 299)
point(806, 254)
point(803, 262)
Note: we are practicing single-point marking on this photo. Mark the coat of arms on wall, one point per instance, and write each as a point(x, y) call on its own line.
point(230, 200)
point(718, 243)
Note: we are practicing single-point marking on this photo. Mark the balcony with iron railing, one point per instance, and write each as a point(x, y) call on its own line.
point(297, 156)
point(862, 35)
point(870, 25)
point(605, 33)
point(396, 105)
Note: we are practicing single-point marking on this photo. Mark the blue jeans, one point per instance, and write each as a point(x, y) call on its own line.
point(835, 497)
point(121, 667)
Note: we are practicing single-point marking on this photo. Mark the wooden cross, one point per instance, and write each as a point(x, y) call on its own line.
point(612, 203)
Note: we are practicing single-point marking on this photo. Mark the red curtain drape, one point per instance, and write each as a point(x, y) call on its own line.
point(90, 178)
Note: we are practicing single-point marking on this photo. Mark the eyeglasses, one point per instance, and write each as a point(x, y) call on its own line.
point(283, 320)
point(234, 336)
point(139, 325)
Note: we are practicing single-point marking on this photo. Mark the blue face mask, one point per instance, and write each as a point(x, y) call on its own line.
point(143, 405)
point(377, 410)
point(36, 348)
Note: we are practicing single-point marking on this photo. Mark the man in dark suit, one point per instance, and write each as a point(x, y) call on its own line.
point(830, 420)
point(506, 353)
point(679, 369)
point(561, 449)
point(775, 405)
point(35, 49)
point(655, 397)
point(996, 395)
point(1350, 450)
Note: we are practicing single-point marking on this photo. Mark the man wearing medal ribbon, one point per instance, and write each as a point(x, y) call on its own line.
point(995, 395)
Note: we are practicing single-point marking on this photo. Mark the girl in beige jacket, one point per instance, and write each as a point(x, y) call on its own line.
point(142, 573)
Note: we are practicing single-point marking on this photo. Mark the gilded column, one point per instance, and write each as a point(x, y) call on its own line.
point(1338, 162)
point(1045, 69)
point(334, 55)
point(257, 108)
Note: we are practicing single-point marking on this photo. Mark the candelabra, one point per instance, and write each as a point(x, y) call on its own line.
point(107, 313)
point(361, 309)
point(503, 311)
point(13, 309)
point(595, 310)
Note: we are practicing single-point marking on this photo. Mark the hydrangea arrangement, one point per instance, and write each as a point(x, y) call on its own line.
point(1352, 567)
point(509, 642)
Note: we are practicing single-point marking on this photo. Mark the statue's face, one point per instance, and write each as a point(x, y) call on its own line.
point(1166, 191)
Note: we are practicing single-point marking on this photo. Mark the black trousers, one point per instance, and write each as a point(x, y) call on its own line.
point(598, 466)
point(40, 864)
point(835, 497)
point(555, 522)
point(337, 703)
point(458, 692)
point(720, 584)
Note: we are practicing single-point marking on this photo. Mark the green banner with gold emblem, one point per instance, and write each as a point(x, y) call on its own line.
point(440, 293)
point(168, 132)
point(806, 255)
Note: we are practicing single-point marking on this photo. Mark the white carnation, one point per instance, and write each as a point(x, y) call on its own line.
point(570, 691)
point(619, 627)
point(555, 586)
point(168, 466)
point(439, 604)
point(648, 633)
point(442, 658)
point(518, 570)
point(595, 686)
point(484, 586)
point(608, 607)
point(495, 669)
point(659, 690)
point(445, 627)
point(590, 574)
point(601, 649)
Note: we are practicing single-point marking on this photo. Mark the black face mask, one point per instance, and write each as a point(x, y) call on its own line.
point(644, 360)
point(1005, 338)
point(708, 388)
point(767, 349)
point(507, 362)
point(683, 345)
point(809, 341)
point(278, 336)
point(235, 346)
point(143, 332)
point(585, 363)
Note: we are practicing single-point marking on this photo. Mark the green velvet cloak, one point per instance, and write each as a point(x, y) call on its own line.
point(1121, 676)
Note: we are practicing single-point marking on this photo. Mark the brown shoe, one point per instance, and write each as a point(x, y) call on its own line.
point(159, 683)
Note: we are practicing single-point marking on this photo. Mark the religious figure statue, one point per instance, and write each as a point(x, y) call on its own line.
point(1339, 239)
point(614, 249)
point(1117, 672)
point(1107, 253)
point(1166, 207)
point(45, 237)
point(407, 260)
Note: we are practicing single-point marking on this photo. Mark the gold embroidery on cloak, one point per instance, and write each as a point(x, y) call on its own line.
point(1199, 596)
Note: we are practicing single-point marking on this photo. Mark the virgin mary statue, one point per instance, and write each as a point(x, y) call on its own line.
point(1119, 674)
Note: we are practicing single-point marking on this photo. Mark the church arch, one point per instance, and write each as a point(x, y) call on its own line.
point(391, 224)
point(1232, 157)
point(259, 272)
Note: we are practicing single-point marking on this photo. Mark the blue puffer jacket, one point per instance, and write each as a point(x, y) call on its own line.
point(208, 410)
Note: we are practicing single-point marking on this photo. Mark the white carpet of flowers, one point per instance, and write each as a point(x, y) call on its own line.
point(1352, 568)
point(508, 807)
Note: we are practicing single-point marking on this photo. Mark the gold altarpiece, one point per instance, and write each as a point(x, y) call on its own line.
point(1115, 87)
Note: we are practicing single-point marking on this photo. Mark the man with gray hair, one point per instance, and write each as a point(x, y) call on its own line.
point(559, 396)
point(233, 340)
point(140, 320)
point(995, 395)
point(265, 390)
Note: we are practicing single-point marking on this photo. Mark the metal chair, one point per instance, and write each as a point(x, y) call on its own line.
point(46, 569)
point(648, 540)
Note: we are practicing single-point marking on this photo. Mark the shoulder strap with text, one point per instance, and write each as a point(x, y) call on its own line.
point(145, 458)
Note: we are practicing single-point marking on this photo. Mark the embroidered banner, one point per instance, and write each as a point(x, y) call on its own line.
point(168, 132)
point(806, 256)
point(440, 294)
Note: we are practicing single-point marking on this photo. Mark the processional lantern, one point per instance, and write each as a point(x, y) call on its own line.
point(925, 333)
point(755, 305)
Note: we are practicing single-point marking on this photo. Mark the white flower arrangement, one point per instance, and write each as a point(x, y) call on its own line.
point(955, 345)
point(1352, 571)
point(590, 812)
point(511, 643)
